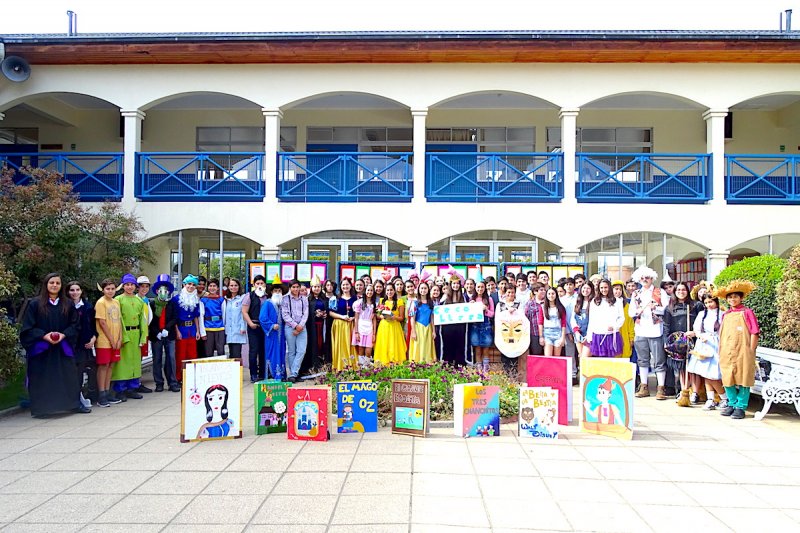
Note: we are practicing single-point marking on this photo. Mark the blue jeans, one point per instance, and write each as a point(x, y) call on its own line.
point(295, 350)
point(164, 362)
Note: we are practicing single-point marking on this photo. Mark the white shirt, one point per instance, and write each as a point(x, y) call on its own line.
point(604, 316)
point(649, 321)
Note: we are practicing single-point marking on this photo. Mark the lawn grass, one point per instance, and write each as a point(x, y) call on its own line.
point(13, 391)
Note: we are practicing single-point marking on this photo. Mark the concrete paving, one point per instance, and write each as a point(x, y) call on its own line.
point(124, 469)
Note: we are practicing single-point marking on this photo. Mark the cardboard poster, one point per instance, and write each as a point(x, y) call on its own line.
point(362, 271)
point(319, 270)
point(271, 406)
point(303, 271)
point(410, 407)
point(512, 332)
point(348, 271)
point(457, 314)
point(287, 272)
point(256, 268)
point(357, 406)
point(607, 396)
point(211, 400)
point(476, 410)
point(308, 413)
point(538, 413)
point(556, 373)
point(514, 269)
point(273, 269)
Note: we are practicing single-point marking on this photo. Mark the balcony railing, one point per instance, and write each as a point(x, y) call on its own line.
point(643, 178)
point(193, 176)
point(494, 177)
point(762, 179)
point(95, 177)
point(344, 177)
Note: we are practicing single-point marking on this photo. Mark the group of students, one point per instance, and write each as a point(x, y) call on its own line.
point(292, 331)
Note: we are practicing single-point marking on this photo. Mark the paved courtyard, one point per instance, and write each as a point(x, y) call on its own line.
point(123, 469)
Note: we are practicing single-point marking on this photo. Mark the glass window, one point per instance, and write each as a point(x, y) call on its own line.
point(228, 139)
point(19, 136)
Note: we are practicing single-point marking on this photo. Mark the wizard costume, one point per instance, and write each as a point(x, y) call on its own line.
point(274, 340)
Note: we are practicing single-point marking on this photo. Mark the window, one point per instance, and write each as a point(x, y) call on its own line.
point(619, 140)
point(368, 139)
point(489, 139)
point(241, 139)
point(19, 136)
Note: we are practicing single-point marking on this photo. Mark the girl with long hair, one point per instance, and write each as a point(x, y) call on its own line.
point(317, 314)
point(423, 335)
point(618, 289)
point(87, 335)
point(454, 336)
point(436, 299)
point(480, 334)
point(679, 316)
point(554, 320)
point(605, 320)
point(580, 320)
point(365, 325)
point(342, 313)
point(704, 359)
point(390, 343)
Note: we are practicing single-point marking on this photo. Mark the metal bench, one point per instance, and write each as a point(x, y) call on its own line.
point(782, 384)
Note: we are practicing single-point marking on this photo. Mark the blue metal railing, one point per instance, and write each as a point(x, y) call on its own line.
point(94, 176)
point(643, 178)
point(206, 176)
point(762, 179)
point(344, 177)
point(494, 177)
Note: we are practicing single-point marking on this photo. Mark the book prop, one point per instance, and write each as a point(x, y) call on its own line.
point(538, 413)
point(357, 405)
point(308, 413)
point(607, 397)
point(410, 407)
point(270, 407)
point(476, 410)
point(556, 373)
point(211, 400)
point(457, 314)
point(512, 332)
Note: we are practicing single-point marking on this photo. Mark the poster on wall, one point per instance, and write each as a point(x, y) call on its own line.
point(556, 373)
point(270, 406)
point(257, 269)
point(211, 400)
point(410, 407)
point(556, 271)
point(538, 413)
point(309, 408)
point(476, 410)
point(607, 396)
point(466, 270)
point(357, 406)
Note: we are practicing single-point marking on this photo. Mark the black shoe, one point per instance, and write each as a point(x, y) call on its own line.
point(738, 414)
point(112, 399)
point(86, 410)
point(728, 411)
point(144, 389)
point(160, 388)
point(670, 391)
point(102, 401)
point(174, 388)
point(122, 397)
point(130, 393)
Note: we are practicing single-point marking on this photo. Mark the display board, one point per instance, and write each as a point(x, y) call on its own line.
point(411, 407)
point(607, 396)
point(357, 407)
point(211, 400)
point(556, 373)
point(556, 271)
point(476, 410)
point(270, 406)
point(309, 408)
point(376, 270)
point(302, 271)
point(538, 413)
point(467, 270)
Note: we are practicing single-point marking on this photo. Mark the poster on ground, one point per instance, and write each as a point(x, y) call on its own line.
point(410, 407)
point(476, 410)
point(357, 406)
point(538, 413)
point(607, 396)
point(211, 400)
point(270, 406)
point(556, 373)
point(308, 408)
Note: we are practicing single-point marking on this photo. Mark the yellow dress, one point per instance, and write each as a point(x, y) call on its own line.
point(422, 349)
point(390, 341)
point(626, 331)
point(341, 351)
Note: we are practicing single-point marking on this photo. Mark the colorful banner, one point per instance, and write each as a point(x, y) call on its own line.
point(457, 314)
point(375, 270)
point(308, 413)
point(410, 407)
point(211, 400)
point(607, 396)
point(357, 405)
point(270, 406)
point(556, 271)
point(512, 332)
point(468, 270)
point(538, 413)
point(476, 410)
point(556, 373)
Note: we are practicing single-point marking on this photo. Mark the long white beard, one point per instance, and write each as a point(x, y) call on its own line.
point(188, 300)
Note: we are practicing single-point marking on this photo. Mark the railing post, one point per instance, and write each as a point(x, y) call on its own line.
point(272, 145)
point(132, 145)
point(569, 123)
point(715, 145)
point(419, 118)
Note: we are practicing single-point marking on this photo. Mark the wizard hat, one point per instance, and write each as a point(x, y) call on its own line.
point(276, 284)
point(163, 280)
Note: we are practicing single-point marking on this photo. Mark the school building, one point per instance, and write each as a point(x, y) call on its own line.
point(675, 149)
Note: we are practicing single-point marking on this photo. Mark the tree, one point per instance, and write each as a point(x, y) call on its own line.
point(789, 304)
point(232, 268)
point(10, 361)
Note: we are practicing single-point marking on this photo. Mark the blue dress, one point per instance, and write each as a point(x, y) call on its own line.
point(274, 340)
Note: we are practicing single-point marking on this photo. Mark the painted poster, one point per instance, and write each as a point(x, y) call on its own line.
point(270, 406)
point(476, 410)
point(556, 373)
point(432, 270)
point(410, 406)
point(273, 269)
point(308, 413)
point(304, 272)
point(512, 332)
point(489, 270)
point(472, 272)
point(357, 406)
point(607, 396)
point(319, 270)
point(576, 269)
point(514, 269)
point(457, 314)
point(361, 271)
point(348, 271)
point(211, 400)
point(256, 268)
point(558, 273)
point(287, 271)
point(538, 413)
point(405, 271)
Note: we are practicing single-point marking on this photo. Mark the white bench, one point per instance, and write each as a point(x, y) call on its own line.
point(783, 383)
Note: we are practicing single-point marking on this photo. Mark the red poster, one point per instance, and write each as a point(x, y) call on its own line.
point(308, 413)
point(556, 373)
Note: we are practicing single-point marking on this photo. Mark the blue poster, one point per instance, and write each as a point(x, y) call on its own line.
point(357, 406)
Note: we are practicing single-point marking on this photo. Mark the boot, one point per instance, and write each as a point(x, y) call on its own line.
point(644, 391)
point(683, 400)
point(661, 394)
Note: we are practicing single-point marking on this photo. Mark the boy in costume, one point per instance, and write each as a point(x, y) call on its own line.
point(162, 334)
point(187, 307)
point(142, 290)
point(272, 323)
point(212, 320)
point(109, 340)
point(127, 372)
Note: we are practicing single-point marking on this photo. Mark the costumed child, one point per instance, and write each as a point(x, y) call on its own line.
point(738, 340)
point(107, 316)
point(271, 321)
point(142, 291)
point(618, 288)
point(422, 348)
point(187, 305)
point(365, 324)
point(317, 313)
point(454, 336)
point(390, 343)
point(127, 372)
point(481, 337)
point(212, 319)
point(162, 334)
point(605, 321)
point(342, 351)
point(704, 358)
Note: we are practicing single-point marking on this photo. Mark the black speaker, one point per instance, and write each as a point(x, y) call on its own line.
point(15, 68)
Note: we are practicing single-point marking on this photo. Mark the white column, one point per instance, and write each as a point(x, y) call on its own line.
point(569, 123)
point(419, 255)
point(715, 145)
point(717, 261)
point(419, 117)
point(272, 145)
point(570, 256)
point(271, 253)
point(221, 255)
point(132, 144)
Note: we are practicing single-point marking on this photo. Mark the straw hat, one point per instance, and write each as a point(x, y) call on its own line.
point(738, 285)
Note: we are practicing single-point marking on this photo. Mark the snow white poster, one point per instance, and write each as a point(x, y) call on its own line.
point(211, 400)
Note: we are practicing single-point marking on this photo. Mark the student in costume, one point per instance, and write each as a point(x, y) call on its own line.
point(454, 336)
point(436, 298)
point(481, 337)
point(342, 352)
point(647, 311)
point(533, 309)
point(213, 323)
point(365, 325)
point(738, 340)
point(422, 347)
point(87, 334)
point(626, 331)
point(127, 372)
point(251, 309)
point(580, 320)
point(704, 359)
point(294, 311)
point(162, 334)
point(271, 320)
point(235, 326)
point(317, 313)
point(605, 321)
point(49, 332)
point(108, 320)
point(187, 330)
point(390, 343)
point(554, 322)
point(509, 303)
point(329, 289)
point(679, 317)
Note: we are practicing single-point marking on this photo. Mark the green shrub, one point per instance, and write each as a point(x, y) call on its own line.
point(789, 304)
point(765, 271)
point(10, 360)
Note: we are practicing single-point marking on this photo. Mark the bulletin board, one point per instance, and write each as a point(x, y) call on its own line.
point(555, 270)
point(375, 270)
point(302, 271)
point(467, 270)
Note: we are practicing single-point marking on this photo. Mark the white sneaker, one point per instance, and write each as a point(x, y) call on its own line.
point(710, 405)
point(694, 398)
point(723, 404)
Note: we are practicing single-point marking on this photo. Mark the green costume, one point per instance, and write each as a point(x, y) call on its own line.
point(134, 334)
